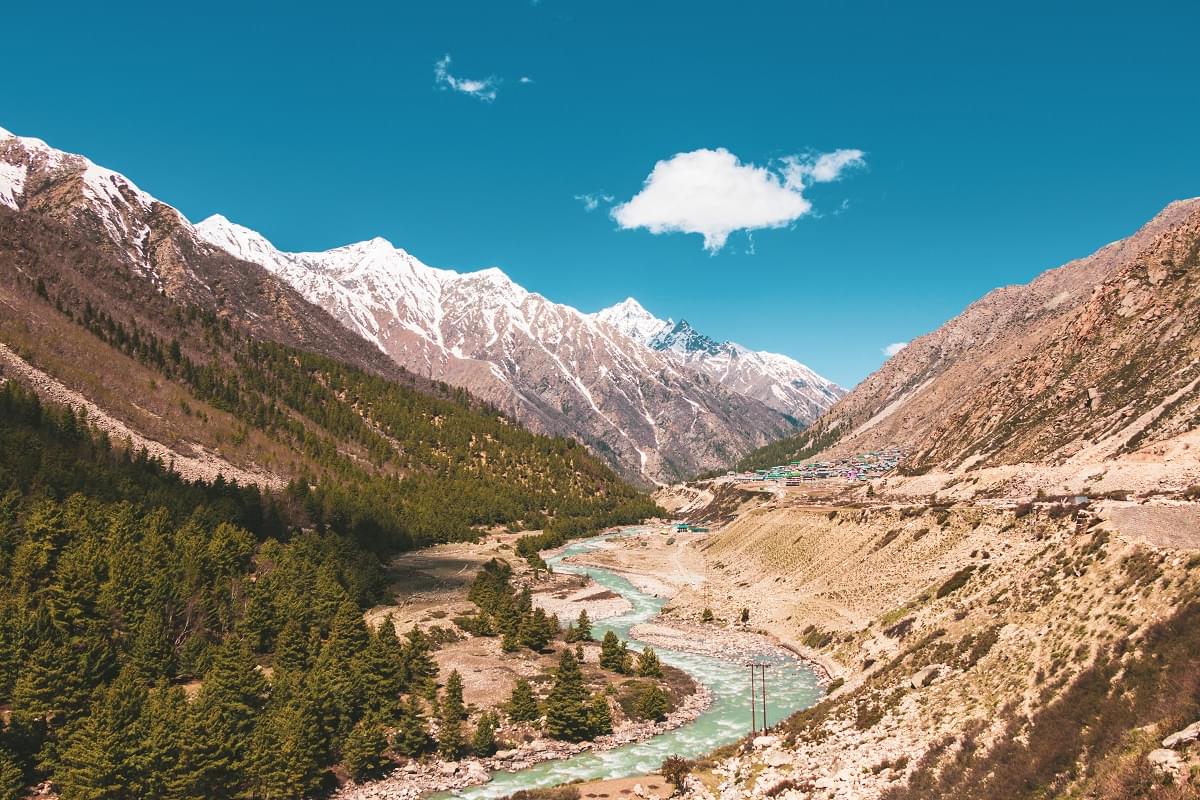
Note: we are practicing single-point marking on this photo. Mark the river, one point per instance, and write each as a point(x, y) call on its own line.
point(792, 685)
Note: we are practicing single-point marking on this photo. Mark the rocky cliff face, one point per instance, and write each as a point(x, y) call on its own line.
point(47, 195)
point(1091, 359)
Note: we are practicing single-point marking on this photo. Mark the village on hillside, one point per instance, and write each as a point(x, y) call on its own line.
point(859, 467)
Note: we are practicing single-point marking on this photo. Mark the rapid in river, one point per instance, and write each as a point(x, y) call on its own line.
point(792, 685)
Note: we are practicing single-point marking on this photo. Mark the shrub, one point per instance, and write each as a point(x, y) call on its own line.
point(675, 770)
point(555, 793)
point(900, 629)
point(956, 581)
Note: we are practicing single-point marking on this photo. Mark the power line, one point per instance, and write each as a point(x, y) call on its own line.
point(758, 668)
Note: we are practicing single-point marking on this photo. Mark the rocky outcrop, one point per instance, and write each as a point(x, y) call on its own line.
point(1095, 357)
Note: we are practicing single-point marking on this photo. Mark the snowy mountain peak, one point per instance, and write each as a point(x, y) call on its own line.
point(632, 319)
point(655, 415)
point(112, 200)
point(236, 240)
point(683, 339)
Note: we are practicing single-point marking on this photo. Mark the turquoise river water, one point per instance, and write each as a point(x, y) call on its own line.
point(791, 685)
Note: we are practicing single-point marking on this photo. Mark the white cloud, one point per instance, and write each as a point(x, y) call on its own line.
point(711, 192)
point(893, 348)
point(525, 79)
point(822, 167)
point(592, 201)
point(484, 89)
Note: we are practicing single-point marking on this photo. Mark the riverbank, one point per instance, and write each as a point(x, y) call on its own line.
point(623, 581)
point(418, 779)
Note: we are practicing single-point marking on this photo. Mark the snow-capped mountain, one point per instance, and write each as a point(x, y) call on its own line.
point(777, 380)
point(555, 368)
point(650, 412)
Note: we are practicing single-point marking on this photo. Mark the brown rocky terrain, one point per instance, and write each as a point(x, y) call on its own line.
point(1092, 363)
point(971, 645)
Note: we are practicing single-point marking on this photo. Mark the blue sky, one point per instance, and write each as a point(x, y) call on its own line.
point(997, 140)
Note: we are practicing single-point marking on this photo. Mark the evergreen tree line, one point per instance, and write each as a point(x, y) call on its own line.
point(507, 613)
point(443, 442)
point(161, 638)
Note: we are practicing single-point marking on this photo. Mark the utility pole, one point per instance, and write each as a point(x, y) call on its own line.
point(764, 694)
point(753, 721)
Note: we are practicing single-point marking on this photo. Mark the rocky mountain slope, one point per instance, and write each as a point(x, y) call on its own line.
point(555, 369)
point(777, 380)
point(976, 651)
point(112, 304)
point(656, 410)
point(1092, 360)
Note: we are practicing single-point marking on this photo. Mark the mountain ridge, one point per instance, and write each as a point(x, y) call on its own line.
point(603, 376)
point(557, 370)
point(1087, 362)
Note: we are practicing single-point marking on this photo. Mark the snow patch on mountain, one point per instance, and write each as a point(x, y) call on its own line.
point(12, 183)
point(775, 379)
point(633, 320)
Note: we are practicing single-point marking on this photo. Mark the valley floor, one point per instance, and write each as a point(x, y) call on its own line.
point(948, 634)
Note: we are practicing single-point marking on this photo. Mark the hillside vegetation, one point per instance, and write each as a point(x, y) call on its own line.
point(975, 652)
point(394, 460)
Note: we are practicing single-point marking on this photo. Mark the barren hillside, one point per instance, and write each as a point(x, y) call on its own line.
point(1095, 359)
point(965, 640)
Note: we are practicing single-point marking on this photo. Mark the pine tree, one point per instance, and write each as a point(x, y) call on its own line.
point(599, 716)
point(745, 615)
point(566, 705)
point(164, 721)
point(648, 665)
point(451, 742)
point(583, 627)
point(256, 622)
point(452, 706)
point(338, 691)
point(348, 634)
point(412, 734)
point(522, 705)
point(221, 723)
point(483, 743)
point(419, 669)
point(451, 715)
point(150, 652)
point(524, 600)
point(707, 615)
point(12, 780)
point(291, 647)
point(101, 760)
point(285, 758)
point(381, 666)
point(652, 703)
point(48, 681)
point(363, 753)
point(537, 629)
point(613, 655)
